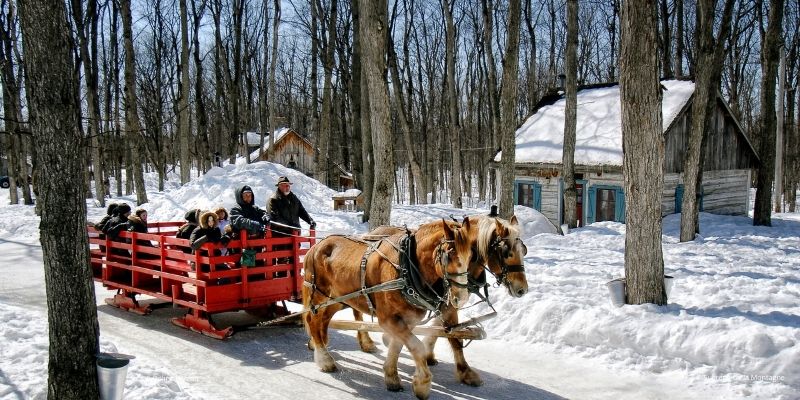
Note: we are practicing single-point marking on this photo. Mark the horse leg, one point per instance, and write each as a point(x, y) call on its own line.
point(317, 327)
point(430, 344)
point(390, 375)
point(364, 341)
point(422, 375)
point(464, 372)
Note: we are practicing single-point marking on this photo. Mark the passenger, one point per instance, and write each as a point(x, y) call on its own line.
point(222, 216)
point(117, 224)
point(208, 232)
point(110, 212)
point(246, 215)
point(191, 217)
point(138, 223)
point(285, 208)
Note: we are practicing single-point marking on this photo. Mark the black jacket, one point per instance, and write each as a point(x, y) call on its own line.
point(287, 210)
point(247, 216)
point(135, 224)
point(185, 231)
point(207, 233)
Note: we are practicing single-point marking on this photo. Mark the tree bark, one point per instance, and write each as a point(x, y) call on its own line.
point(71, 310)
point(666, 52)
point(452, 104)
point(199, 92)
point(769, 67)
point(183, 103)
point(709, 56)
point(508, 101)
point(276, 22)
point(643, 153)
point(324, 170)
point(571, 116)
point(131, 104)
point(679, 37)
point(373, 16)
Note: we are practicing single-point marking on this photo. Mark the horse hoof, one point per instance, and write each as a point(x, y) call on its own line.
point(471, 378)
point(328, 368)
point(432, 361)
point(310, 345)
point(394, 387)
point(369, 348)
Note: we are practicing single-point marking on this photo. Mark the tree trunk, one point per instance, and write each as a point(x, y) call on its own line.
point(71, 310)
point(708, 68)
point(355, 100)
point(272, 67)
point(769, 67)
point(508, 102)
point(373, 25)
point(183, 102)
point(12, 104)
point(666, 53)
point(199, 93)
point(643, 153)
point(571, 116)
point(403, 119)
point(324, 171)
point(679, 37)
point(131, 104)
point(452, 105)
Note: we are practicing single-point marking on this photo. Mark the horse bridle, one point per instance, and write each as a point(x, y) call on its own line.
point(502, 254)
point(442, 256)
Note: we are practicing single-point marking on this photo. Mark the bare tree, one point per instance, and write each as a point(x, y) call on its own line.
point(454, 132)
point(710, 53)
point(643, 152)
point(184, 132)
point(769, 65)
point(131, 103)
point(373, 22)
point(324, 172)
point(571, 116)
point(276, 21)
point(508, 100)
point(71, 310)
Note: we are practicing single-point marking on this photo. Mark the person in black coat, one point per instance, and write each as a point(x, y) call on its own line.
point(285, 208)
point(208, 232)
point(111, 211)
point(117, 224)
point(246, 215)
point(191, 217)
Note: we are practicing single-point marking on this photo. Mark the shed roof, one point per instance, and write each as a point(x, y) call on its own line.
point(599, 126)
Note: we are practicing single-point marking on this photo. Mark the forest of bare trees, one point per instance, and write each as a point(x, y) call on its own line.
point(166, 84)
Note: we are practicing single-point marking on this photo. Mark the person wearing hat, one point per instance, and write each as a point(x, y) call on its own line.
point(286, 209)
point(117, 224)
point(246, 215)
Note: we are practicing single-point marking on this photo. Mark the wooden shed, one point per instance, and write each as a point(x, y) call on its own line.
point(349, 200)
point(728, 158)
point(291, 150)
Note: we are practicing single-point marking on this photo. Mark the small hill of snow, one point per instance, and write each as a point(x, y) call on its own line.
point(217, 187)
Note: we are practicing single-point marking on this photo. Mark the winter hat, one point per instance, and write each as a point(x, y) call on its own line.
point(283, 179)
point(191, 215)
point(246, 189)
point(123, 208)
point(112, 208)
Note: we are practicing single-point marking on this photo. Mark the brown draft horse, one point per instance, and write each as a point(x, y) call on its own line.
point(498, 246)
point(333, 270)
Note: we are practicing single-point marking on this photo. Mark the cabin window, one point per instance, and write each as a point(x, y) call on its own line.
point(529, 194)
point(606, 203)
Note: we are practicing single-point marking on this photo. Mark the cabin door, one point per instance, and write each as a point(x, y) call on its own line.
point(579, 203)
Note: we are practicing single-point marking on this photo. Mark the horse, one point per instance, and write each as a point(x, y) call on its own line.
point(497, 246)
point(372, 278)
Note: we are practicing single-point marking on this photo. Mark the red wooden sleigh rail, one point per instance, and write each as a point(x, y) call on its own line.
point(203, 284)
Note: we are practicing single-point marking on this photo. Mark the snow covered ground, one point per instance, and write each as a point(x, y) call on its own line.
point(731, 329)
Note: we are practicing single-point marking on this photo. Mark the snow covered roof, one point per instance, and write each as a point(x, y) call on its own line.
point(349, 193)
point(254, 138)
point(599, 129)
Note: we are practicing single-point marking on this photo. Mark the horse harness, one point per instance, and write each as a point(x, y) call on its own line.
point(410, 283)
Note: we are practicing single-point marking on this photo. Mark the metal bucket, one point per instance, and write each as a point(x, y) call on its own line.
point(616, 289)
point(111, 374)
point(668, 284)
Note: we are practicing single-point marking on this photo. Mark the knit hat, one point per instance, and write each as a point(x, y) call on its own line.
point(283, 179)
point(246, 189)
point(123, 208)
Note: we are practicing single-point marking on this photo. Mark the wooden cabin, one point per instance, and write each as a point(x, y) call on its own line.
point(728, 157)
point(349, 200)
point(291, 150)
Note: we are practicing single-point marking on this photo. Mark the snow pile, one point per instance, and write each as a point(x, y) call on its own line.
point(599, 126)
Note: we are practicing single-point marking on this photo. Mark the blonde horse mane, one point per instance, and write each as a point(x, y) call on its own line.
point(487, 227)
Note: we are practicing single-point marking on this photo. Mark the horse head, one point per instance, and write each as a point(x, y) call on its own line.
point(502, 249)
point(452, 261)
